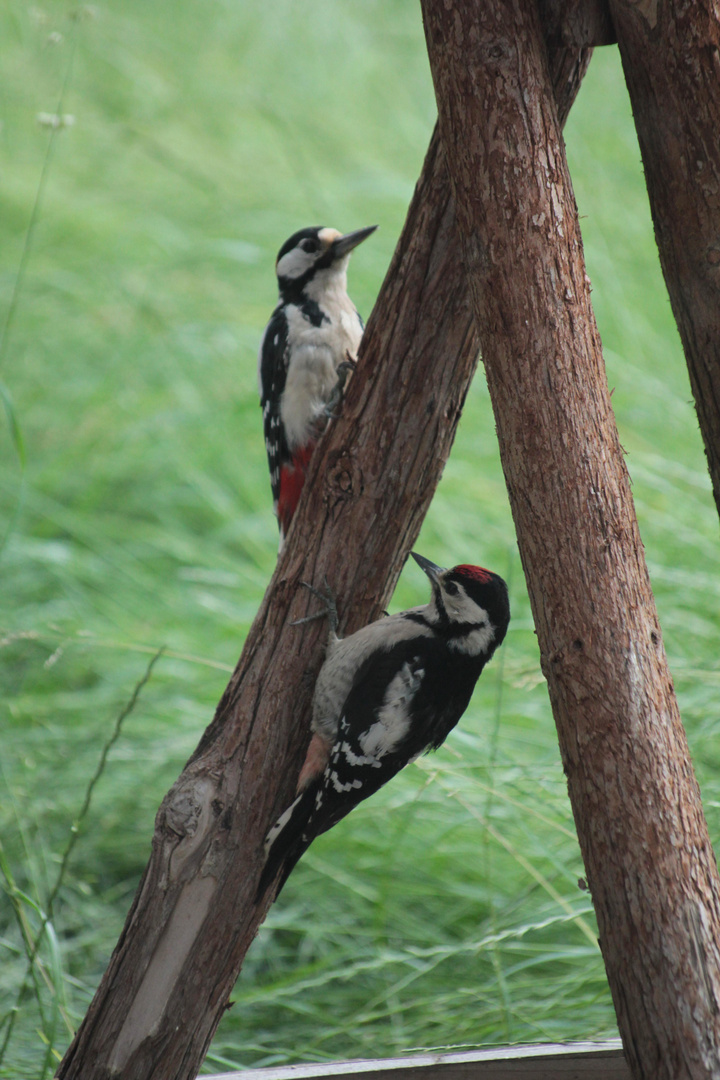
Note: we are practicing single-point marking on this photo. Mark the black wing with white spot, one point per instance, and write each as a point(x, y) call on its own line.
point(272, 371)
point(360, 762)
point(403, 701)
point(401, 704)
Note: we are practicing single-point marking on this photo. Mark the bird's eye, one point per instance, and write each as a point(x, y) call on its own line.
point(451, 588)
point(311, 246)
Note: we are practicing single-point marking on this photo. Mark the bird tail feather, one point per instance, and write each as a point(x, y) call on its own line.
point(287, 841)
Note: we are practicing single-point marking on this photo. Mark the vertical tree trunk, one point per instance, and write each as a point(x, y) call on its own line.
point(369, 487)
point(671, 58)
point(636, 803)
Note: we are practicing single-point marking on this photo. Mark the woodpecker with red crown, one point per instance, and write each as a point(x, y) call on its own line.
point(385, 695)
point(306, 353)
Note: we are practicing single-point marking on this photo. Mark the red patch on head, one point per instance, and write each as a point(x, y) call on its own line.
point(292, 479)
point(475, 572)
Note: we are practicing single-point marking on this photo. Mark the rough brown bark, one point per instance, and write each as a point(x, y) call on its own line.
point(671, 58)
point(577, 23)
point(369, 487)
point(636, 803)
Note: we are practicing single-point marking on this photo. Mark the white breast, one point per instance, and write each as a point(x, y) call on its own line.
point(315, 353)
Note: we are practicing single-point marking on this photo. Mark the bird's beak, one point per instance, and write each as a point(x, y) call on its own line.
point(344, 244)
point(433, 572)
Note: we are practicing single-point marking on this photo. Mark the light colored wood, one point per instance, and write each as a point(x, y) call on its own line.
point(568, 1061)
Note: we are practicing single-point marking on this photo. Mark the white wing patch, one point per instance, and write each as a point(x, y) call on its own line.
point(393, 716)
point(357, 759)
point(338, 784)
point(280, 824)
point(294, 263)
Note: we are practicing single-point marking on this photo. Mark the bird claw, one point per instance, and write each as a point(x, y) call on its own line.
point(345, 367)
point(343, 370)
point(330, 610)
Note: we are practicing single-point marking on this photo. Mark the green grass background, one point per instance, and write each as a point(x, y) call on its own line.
point(136, 261)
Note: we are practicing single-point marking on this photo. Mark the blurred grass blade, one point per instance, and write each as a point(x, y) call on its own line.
point(13, 424)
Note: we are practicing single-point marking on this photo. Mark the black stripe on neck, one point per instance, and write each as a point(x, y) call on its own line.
point(415, 616)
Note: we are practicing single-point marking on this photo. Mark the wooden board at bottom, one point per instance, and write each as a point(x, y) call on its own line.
point(567, 1061)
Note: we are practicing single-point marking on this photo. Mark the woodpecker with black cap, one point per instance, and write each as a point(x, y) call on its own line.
point(386, 694)
point(306, 353)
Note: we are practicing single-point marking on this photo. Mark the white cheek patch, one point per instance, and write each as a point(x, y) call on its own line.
point(294, 263)
point(462, 609)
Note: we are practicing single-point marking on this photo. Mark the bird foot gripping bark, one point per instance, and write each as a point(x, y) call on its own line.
point(330, 609)
point(344, 368)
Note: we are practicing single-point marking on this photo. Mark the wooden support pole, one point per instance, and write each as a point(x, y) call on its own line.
point(671, 58)
point(637, 808)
